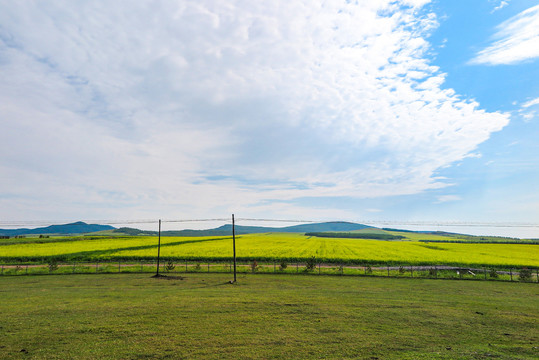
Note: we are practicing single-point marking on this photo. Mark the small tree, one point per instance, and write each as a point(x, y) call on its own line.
point(283, 265)
point(310, 264)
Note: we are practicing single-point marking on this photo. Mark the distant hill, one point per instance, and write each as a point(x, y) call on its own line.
point(226, 230)
point(73, 228)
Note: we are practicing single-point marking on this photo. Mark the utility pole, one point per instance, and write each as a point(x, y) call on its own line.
point(158, 249)
point(234, 246)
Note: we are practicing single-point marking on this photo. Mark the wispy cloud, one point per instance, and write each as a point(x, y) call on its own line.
point(501, 5)
point(531, 102)
point(526, 113)
point(516, 40)
point(203, 106)
point(448, 198)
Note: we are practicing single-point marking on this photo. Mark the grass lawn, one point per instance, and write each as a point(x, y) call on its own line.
point(133, 316)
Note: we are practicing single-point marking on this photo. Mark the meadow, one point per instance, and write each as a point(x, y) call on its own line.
point(202, 316)
point(272, 247)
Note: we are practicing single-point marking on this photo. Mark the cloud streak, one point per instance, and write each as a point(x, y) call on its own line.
point(516, 40)
point(201, 107)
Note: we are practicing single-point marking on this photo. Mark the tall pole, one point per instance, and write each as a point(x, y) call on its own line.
point(234, 246)
point(158, 248)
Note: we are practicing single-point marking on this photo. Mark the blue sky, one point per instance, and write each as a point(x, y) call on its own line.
point(400, 112)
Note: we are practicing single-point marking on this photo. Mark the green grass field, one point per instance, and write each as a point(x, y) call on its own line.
point(270, 246)
point(133, 316)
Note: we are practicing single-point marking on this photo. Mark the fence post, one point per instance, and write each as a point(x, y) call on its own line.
point(388, 271)
point(96, 265)
point(411, 271)
point(141, 267)
point(208, 266)
point(2, 269)
point(435, 271)
point(185, 265)
point(485, 271)
point(297, 267)
point(365, 270)
point(511, 274)
point(119, 268)
point(318, 268)
point(537, 274)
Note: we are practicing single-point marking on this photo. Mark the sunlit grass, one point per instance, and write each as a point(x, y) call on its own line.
point(132, 316)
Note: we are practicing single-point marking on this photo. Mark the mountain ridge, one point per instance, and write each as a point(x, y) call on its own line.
point(226, 230)
point(78, 227)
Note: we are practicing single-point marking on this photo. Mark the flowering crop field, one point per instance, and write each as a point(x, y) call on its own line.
point(271, 246)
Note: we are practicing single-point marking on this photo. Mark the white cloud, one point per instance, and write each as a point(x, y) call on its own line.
point(500, 6)
point(516, 40)
point(531, 102)
point(200, 107)
point(528, 114)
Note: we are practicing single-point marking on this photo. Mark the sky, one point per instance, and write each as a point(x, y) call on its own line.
point(397, 112)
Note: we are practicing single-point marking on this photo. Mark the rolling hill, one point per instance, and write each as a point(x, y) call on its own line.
point(78, 227)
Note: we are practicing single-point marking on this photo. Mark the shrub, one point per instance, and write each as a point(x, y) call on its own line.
point(170, 266)
point(525, 275)
point(368, 270)
point(493, 274)
point(283, 265)
point(197, 266)
point(401, 270)
point(53, 265)
point(254, 266)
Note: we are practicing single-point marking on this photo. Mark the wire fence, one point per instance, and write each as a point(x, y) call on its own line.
point(175, 266)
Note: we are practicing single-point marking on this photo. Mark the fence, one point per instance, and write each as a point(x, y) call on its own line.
point(275, 267)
